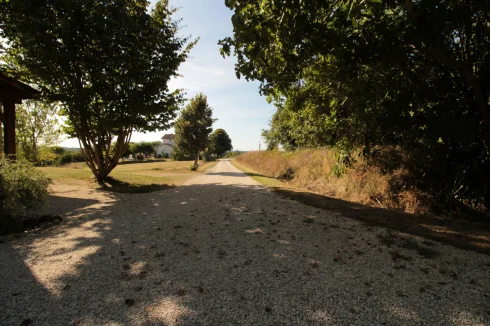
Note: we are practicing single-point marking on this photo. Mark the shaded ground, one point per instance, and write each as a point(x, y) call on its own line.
point(465, 234)
point(222, 250)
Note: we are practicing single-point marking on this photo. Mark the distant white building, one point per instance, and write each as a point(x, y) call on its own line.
point(168, 145)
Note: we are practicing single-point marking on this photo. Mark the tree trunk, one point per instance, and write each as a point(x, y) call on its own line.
point(99, 162)
point(1, 134)
point(196, 162)
point(34, 155)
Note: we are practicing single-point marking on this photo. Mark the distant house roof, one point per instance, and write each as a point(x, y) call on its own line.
point(168, 136)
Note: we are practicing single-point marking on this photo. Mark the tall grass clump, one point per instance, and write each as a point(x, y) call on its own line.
point(315, 170)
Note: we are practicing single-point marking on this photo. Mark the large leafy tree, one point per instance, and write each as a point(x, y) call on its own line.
point(353, 73)
point(291, 128)
point(193, 127)
point(107, 62)
point(37, 128)
point(220, 142)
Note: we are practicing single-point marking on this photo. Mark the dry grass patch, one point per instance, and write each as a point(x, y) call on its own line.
point(313, 170)
point(135, 177)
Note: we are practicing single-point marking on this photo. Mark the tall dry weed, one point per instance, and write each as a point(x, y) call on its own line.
point(312, 169)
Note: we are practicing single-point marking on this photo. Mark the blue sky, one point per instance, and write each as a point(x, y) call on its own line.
point(237, 105)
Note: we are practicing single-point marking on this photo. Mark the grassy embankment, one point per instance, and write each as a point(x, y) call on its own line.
point(133, 177)
point(312, 170)
point(364, 194)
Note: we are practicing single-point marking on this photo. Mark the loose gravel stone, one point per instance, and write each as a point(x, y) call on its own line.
point(223, 250)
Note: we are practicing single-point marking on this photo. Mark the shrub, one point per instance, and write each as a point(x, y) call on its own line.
point(46, 156)
point(58, 150)
point(22, 187)
point(180, 155)
point(70, 157)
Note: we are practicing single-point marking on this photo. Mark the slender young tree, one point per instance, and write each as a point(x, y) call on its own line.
point(36, 126)
point(108, 64)
point(193, 127)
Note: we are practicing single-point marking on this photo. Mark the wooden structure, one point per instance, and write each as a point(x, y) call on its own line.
point(11, 92)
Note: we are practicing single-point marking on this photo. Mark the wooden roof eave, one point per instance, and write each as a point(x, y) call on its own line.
point(11, 88)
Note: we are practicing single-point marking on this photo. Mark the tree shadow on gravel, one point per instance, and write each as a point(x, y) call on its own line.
point(231, 255)
point(234, 174)
point(469, 235)
point(465, 234)
point(118, 186)
point(69, 204)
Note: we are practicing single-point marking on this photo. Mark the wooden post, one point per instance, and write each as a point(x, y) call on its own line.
point(1, 130)
point(9, 117)
point(11, 92)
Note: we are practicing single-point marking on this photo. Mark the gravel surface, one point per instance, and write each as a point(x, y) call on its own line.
point(222, 250)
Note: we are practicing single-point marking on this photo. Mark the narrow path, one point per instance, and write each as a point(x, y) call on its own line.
point(223, 250)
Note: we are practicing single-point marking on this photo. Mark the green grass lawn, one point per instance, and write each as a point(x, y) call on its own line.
point(135, 177)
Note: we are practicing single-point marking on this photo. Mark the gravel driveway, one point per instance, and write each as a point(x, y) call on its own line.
point(222, 250)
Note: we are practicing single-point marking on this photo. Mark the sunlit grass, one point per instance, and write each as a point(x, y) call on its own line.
point(312, 170)
point(154, 173)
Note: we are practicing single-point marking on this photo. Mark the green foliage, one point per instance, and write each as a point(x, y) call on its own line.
point(128, 151)
point(233, 154)
point(147, 148)
point(58, 150)
point(36, 127)
point(179, 154)
point(192, 128)
point(206, 156)
point(108, 64)
point(22, 187)
point(220, 142)
point(70, 157)
point(46, 156)
point(413, 75)
point(291, 128)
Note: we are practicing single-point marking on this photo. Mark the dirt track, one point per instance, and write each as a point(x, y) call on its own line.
point(222, 250)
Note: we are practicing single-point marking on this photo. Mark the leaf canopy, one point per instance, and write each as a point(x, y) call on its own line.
point(368, 74)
